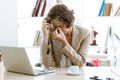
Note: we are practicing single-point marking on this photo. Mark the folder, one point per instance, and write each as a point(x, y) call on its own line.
point(107, 9)
point(118, 12)
point(36, 8)
point(101, 8)
point(37, 39)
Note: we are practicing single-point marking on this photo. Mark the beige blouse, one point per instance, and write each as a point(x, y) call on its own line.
point(57, 56)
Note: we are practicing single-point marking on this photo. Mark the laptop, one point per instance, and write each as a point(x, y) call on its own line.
point(16, 60)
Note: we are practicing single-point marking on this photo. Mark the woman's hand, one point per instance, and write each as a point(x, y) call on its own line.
point(60, 36)
point(45, 29)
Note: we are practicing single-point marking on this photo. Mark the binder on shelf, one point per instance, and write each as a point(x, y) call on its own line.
point(36, 8)
point(43, 8)
point(109, 35)
point(107, 9)
point(118, 12)
point(37, 39)
point(118, 38)
point(101, 8)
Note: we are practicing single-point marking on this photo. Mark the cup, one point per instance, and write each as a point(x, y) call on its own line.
point(74, 69)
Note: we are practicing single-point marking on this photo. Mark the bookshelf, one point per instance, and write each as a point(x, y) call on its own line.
point(86, 13)
point(29, 24)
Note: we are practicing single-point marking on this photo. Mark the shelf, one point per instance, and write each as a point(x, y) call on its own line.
point(86, 14)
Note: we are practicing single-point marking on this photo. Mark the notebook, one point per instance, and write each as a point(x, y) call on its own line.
point(16, 60)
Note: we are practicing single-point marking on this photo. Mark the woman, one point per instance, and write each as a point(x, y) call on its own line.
point(64, 44)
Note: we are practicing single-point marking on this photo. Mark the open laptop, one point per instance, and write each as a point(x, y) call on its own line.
point(16, 60)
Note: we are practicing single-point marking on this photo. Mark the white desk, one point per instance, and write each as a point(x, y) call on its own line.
point(61, 74)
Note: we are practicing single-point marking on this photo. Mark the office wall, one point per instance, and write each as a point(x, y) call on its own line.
point(8, 22)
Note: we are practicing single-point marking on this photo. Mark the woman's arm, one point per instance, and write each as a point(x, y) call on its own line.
point(46, 54)
point(46, 46)
point(78, 57)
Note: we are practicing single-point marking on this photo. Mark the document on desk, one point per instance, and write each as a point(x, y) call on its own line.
point(116, 71)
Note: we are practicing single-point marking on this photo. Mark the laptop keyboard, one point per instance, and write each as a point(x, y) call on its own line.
point(39, 71)
point(45, 71)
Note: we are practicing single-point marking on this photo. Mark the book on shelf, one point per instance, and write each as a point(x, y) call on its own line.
point(107, 9)
point(118, 12)
point(108, 37)
point(101, 8)
point(37, 39)
point(43, 8)
point(39, 8)
point(36, 8)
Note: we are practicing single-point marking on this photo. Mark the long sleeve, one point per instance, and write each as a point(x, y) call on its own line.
point(76, 52)
point(79, 49)
point(47, 57)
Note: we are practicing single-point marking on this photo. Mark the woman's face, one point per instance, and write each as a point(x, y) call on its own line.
point(61, 25)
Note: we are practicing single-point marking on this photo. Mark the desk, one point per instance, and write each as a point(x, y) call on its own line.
point(61, 74)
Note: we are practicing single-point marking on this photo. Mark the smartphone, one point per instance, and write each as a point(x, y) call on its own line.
point(52, 28)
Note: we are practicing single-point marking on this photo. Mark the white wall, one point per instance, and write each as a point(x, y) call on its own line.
point(8, 22)
point(27, 30)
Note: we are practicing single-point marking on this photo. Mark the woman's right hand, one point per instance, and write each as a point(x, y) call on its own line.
point(45, 29)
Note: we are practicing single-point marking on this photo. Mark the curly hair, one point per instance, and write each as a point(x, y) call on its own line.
point(62, 13)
